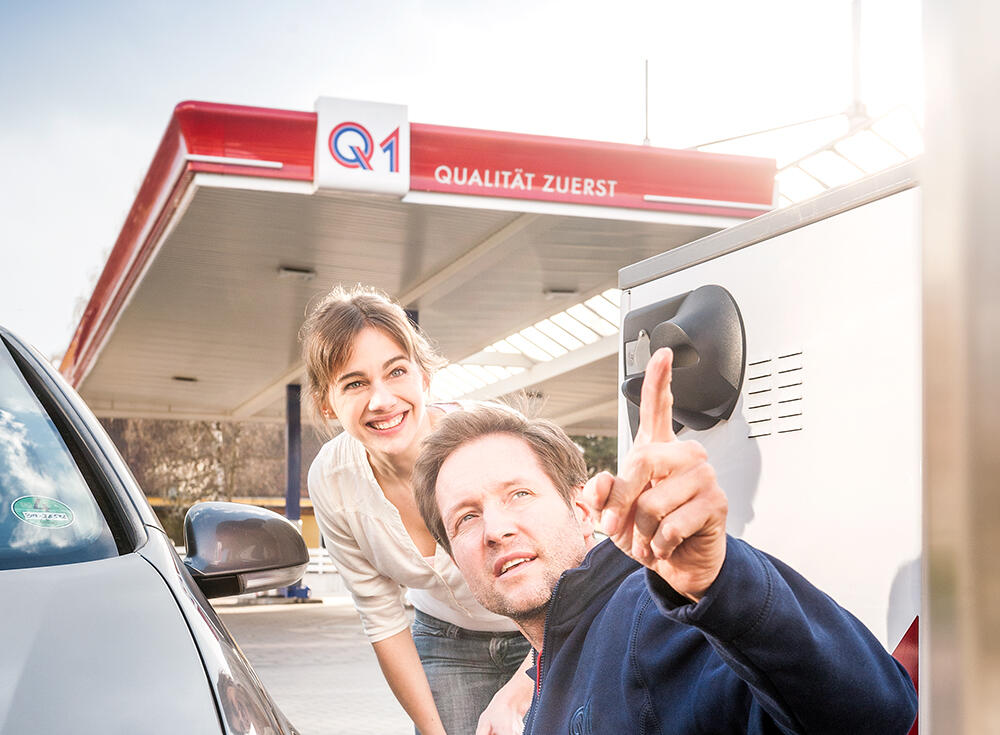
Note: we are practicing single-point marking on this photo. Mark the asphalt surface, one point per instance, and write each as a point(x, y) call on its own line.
point(318, 666)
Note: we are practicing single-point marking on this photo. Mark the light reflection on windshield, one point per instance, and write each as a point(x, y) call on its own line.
point(47, 512)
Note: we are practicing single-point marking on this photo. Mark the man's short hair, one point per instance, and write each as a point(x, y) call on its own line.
point(561, 459)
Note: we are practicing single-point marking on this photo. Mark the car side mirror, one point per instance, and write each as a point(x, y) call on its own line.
point(234, 548)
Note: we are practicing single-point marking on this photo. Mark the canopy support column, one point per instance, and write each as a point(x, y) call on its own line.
point(293, 470)
point(293, 451)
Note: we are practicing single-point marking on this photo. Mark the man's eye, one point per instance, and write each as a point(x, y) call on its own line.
point(462, 519)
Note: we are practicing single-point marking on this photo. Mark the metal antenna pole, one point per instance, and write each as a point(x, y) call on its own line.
point(856, 111)
point(645, 141)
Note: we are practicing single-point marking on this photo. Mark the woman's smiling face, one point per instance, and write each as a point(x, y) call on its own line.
point(379, 393)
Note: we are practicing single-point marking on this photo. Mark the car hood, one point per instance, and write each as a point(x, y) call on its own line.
point(98, 647)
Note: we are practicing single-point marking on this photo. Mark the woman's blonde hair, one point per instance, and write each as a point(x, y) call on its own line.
point(328, 334)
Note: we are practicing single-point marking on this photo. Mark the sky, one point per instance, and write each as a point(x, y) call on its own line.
point(87, 90)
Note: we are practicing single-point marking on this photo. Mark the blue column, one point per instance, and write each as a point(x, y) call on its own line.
point(293, 451)
point(293, 472)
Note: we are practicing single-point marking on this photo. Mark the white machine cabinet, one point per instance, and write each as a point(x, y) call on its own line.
point(818, 441)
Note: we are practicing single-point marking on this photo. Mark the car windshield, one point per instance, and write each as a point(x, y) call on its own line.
point(48, 514)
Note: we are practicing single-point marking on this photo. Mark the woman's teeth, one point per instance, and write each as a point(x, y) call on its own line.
point(382, 425)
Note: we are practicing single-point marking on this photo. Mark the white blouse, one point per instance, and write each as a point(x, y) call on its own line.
point(376, 557)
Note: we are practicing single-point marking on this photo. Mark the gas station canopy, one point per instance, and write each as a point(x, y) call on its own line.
point(507, 247)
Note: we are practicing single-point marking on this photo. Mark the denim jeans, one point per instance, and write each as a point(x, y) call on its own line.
point(465, 668)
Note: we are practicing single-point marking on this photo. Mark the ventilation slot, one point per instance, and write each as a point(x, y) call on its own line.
point(772, 395)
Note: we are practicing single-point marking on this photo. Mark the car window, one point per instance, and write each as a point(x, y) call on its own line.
point(48, 514)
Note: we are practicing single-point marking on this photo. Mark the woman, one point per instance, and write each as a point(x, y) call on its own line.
point(369, 368)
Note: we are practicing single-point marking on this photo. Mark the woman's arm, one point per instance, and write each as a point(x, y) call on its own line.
point(505, 713)
point(397, 656)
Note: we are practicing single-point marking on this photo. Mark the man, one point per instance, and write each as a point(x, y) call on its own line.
point(688, 630)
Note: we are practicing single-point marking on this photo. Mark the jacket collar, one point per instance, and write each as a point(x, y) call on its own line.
point(583, 591)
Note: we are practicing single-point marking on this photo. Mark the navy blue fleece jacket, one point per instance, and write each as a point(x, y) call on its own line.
point(763, 652)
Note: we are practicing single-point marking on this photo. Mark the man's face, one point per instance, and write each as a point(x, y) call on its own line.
point(512, 534)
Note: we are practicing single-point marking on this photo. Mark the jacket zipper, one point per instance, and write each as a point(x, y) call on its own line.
point(529, 720)
point(538, 674)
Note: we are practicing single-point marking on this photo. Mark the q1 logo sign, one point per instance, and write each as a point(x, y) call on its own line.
point(345, 148)
point(347, 155)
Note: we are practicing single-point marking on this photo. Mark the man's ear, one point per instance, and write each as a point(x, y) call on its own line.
point(585, 515)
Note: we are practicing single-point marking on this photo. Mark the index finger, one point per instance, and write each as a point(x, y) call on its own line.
point(656, 402)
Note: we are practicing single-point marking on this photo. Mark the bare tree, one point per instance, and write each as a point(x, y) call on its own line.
point(183, 462)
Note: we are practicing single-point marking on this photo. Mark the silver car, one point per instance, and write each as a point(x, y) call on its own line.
point(105, 629)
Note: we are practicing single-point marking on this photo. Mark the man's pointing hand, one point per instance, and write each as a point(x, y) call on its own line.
point(665, 509)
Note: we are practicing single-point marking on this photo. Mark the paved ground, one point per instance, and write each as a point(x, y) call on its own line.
point(318, 666)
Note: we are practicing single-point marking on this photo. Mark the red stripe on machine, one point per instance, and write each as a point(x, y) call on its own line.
point(907, 653)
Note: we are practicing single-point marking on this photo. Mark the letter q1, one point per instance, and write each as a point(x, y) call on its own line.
point(351, 146)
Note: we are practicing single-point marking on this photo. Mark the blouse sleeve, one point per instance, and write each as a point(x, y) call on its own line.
point(377, 598)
